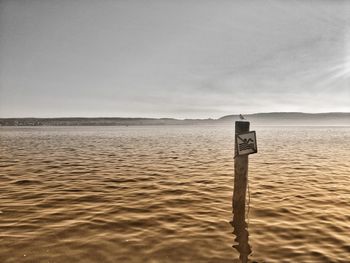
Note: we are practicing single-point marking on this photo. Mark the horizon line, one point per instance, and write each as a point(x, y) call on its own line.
point(208, 118)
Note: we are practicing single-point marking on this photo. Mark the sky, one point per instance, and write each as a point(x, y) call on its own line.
point(165, 58)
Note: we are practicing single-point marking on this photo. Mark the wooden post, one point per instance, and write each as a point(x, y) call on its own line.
point(239, 196)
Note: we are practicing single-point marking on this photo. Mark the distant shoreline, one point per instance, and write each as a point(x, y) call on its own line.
point(273, 118)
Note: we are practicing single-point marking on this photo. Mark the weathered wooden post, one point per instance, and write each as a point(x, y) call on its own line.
point(241, 169)
point(245, 144)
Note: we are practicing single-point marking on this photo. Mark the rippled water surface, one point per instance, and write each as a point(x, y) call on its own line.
point(163, 194)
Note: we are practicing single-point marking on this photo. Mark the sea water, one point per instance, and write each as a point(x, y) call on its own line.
point(164, 194)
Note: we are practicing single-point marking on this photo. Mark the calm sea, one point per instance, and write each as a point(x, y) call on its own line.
point(164, 194)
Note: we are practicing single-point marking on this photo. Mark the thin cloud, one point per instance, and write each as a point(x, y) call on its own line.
point(172, 59)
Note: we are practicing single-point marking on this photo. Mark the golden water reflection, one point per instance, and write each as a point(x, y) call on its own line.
point(163, 194)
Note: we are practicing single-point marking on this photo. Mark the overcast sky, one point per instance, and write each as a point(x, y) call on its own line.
point(165, 58)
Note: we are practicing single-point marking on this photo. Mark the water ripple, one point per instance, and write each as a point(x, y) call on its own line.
point(163, 194)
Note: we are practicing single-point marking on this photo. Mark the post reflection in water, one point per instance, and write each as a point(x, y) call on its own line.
point(240, 230)
point(240, 227)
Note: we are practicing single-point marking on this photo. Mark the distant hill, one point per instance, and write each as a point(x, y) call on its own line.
point(98, 121)
point(273, 118)
point(293, 118)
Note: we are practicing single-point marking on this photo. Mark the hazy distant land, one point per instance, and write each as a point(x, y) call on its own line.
point(274, 118)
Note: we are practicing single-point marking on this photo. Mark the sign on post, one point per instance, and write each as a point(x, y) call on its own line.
point(246, 143)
